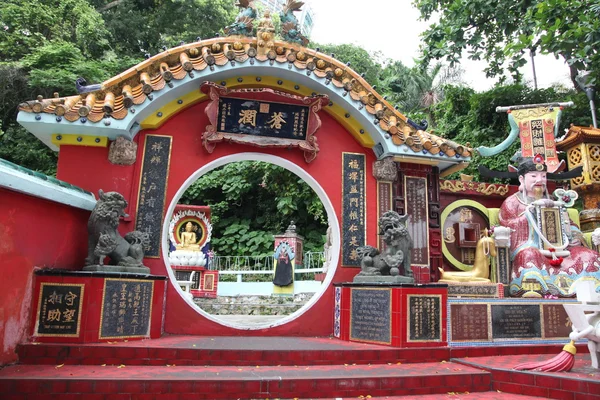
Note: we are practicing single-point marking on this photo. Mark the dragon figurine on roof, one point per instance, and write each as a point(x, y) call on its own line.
point(243, 22)
point(290, 29)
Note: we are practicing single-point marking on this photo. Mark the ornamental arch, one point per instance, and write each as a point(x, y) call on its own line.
point(161, 98)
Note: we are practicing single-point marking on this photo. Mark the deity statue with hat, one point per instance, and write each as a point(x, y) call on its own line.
point(548, 253)
point(547, 250)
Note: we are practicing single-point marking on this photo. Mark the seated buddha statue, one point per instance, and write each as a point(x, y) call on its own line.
point(188, 239)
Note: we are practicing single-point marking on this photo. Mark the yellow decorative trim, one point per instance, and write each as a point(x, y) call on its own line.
point(154, 121)
point(451, 207)
point(483, 188)
point(59, 139)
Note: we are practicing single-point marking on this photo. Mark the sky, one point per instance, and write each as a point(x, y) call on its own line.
point(393, 27)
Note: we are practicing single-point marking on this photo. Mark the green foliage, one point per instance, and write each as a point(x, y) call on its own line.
point(251, 201)
point(20, 147)
point(503, 32)
point(56, 65)
point(148, 25)
point(416, 90)
point(361, 61)
point(28, 24)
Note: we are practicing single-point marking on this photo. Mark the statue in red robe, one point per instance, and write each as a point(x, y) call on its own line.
point(518, 213)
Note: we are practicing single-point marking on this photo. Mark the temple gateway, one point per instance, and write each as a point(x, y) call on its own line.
point(414, 262)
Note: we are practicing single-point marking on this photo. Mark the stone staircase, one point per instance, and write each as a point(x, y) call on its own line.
point(190, 367)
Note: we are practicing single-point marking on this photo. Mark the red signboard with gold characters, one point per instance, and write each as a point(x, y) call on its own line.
point(536, 127)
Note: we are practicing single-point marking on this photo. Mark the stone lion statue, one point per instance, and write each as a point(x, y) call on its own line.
point(105, 241)
point(395, 259)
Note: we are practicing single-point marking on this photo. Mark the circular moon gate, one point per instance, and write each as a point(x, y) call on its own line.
point(300, 172)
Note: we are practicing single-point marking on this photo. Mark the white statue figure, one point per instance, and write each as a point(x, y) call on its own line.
point(586, 325)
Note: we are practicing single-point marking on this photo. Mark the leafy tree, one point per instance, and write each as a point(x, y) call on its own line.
point(147, 25)
point(505, 31)
point(56, 65)
point(251, 201)
point(28, 24)
point(361, 61)
point(19, 146)
point(415, 90)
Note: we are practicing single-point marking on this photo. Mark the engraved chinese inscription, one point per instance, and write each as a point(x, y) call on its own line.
point(469, 322)
point(126, 308)
point(370, 315)
point(556, 321)
point(424, 318)
point(153, 187)
point(59, 309)
point(416, 208)
point(385, 202)
point(262, 118)
point(353, 207)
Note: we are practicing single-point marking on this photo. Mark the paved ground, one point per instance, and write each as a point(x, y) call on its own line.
point(249, 320)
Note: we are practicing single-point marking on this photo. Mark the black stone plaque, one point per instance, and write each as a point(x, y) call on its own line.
point(153, 189)
point(512, 321)
point(262, 118)
point(126, 308)
point(418, 224)
point(370, 315)
point(59, 309)
point(353, 207)
point(424, 318)
point(469, 322)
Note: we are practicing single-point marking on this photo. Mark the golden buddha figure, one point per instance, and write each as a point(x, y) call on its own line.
point(188, 239)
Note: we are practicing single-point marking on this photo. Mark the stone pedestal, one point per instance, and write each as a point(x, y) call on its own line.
point(90, 307)
point(489, 322)
point(205, 281)
point(402, 315)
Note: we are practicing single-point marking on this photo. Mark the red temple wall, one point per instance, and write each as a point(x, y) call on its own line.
point(89, 168)
point(34, 233)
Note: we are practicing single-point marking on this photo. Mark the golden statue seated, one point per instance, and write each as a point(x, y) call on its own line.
point(188, 239)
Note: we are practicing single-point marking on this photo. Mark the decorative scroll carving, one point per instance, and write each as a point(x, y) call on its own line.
point(385, 170)
point(122, 152)
point(483, 188)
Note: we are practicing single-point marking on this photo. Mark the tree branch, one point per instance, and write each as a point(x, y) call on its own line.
point(109, 5)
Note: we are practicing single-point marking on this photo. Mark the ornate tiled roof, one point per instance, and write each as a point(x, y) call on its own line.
point(138, 85)
point(577, 135)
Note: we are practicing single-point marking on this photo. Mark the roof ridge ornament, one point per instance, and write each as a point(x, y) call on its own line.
point(290, 28)
point(243, 24)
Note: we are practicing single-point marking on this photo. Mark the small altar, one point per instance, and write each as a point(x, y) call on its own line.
point(89, 307)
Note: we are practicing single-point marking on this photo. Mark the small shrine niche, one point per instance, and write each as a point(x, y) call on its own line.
point(461, 232)
point(190, 232)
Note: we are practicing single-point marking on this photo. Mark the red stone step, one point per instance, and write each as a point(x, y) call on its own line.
point(194, 350)
point(582, 382)
point(46, 382)
point(491, 395)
